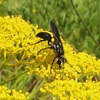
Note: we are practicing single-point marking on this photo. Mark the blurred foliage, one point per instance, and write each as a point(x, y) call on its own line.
point(70, 27)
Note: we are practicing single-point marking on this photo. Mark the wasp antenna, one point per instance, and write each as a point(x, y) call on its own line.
point(73, 68)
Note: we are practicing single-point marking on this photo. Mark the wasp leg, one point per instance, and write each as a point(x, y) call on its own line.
point(40, 41)
point(42, 49)
point(50, 47)
point(53, 62)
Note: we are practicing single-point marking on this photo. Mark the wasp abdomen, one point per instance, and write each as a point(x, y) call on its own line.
point(44, 36)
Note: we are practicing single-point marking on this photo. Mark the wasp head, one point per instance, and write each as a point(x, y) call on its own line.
point(61, 61)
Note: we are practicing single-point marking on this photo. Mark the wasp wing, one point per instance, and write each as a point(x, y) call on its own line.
point(55, 32)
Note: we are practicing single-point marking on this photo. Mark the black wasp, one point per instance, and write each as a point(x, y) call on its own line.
point(56, 45)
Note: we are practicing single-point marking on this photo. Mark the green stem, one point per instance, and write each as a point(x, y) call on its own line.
point(84, 23)
point(98, 5)
point(12, 78)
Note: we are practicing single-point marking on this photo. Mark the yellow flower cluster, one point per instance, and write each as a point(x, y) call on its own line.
point(77, 64)
point(17, 39)
point(73, 90)
point(7, 94)
point(15, 35)
point(81, 76)
point(77, 80)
